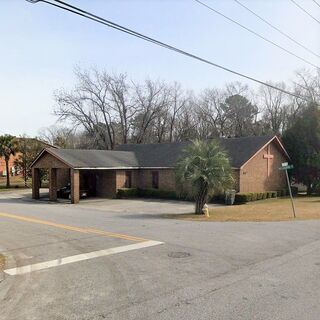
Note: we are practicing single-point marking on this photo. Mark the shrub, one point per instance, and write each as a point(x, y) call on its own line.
point(254, 196)
point(243, 198)
point(273, 194)
point(259, 195)
point(127, 193)
point(269, 194)
point(156, 193)
point(218, 198)
point(264, 195)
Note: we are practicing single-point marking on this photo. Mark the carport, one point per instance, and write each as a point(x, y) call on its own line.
point(93, 170)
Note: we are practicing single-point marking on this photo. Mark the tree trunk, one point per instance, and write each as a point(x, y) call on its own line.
point(201, 199)
point(8, 173)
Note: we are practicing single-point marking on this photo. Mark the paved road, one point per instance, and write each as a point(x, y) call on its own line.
point(202, 271)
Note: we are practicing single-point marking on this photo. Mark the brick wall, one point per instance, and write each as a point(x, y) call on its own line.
point(11, 163)
point(254, 175)
point(63, 177)
point(106, 183)
point(121, 178)
point(48, 161)
point(166, 179)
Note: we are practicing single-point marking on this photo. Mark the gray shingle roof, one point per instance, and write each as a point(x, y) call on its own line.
point(96, 158)
point(166, 154)
point(157, 155)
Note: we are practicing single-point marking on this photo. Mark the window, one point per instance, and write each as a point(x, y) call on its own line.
point(155, 179)
point(128, 180)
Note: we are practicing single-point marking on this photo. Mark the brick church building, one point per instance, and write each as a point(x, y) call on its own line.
point(255, 162)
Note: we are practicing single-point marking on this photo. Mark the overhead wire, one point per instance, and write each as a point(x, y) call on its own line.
point(78, 11)
point(257, 34)
point(276, 28)
point(305, 11)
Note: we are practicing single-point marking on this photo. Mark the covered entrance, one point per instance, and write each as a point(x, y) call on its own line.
point(90, 172)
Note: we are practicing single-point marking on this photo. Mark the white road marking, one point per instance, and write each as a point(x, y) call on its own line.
point(80, 257)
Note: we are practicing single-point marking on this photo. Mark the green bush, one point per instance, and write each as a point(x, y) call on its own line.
point(259, 195)
point(264, 195)
point(156, 193)
point(217, 198)
point(243, 198)
point(254, 196)
point(269, 194)
point(273, 194)
point(124, 193)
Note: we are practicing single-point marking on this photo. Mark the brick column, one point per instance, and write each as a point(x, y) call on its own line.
point(35, 183)
point(75, 185)
point(53, 184)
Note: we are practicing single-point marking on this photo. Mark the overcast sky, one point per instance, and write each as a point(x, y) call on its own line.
point(41, 45)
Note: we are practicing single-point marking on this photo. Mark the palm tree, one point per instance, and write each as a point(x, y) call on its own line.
point(8, 147)
point(203, 170)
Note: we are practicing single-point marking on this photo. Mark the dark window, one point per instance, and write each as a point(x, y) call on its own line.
point(128, 181)
point(155, 179)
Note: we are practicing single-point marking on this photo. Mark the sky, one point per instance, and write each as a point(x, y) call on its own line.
point(41, 46)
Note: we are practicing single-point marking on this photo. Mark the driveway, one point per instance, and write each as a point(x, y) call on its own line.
point(90, 261)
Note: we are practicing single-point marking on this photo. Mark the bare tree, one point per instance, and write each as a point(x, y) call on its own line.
point(152, 98)
point(211, 110)
point(274, 106)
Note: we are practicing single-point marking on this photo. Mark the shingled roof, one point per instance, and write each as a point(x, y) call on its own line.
point(240, 150)
point(157, 155)
point(91, 159)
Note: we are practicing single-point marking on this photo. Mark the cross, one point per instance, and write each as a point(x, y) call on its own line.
point(269, 157)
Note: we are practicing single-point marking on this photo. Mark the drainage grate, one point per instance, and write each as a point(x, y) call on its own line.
point(179, 254)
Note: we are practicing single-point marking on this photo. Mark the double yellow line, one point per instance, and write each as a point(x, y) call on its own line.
point(71, 228)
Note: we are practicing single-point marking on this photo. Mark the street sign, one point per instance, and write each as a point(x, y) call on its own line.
point(285, 166)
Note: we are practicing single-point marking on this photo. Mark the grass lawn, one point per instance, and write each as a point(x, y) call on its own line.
point(263, 210)
point(15, 182)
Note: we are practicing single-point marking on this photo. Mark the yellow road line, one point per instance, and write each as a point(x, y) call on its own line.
point(71, 228)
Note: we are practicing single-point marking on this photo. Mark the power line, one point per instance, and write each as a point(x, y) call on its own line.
point(305, 11)
point(88, 15)
point(317, 3)
point(256, 34)
point(276, 28)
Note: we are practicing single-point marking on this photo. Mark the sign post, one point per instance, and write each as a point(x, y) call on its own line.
point(285, 166)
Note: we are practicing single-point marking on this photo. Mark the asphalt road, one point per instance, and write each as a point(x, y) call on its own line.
point(201, 271)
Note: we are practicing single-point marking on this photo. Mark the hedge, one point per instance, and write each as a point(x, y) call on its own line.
point(157, 193)
point(123, 193)
point(253, 196)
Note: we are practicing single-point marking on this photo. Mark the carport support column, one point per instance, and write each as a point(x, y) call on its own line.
point(53, 184)
point(35, 183)
point(75, 185)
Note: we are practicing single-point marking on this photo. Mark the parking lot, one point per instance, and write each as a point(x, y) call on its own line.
point(120, 259)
